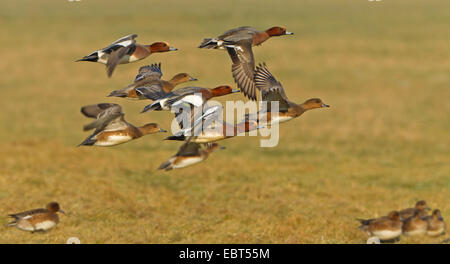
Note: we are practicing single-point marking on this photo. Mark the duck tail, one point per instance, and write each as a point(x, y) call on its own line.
point(209, 43)
point(364, 222)
point(12, 223)
point(92, 57)
point(88, 142)
point(178, 138)
point(165, 166)
point(117, 93)
point(151, 107)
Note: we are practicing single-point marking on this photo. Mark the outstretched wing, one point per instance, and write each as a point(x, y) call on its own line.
point(243, 66)
point(189, 149)
point(93, 111)
point(271, 89)
point(152, 91)
point(115, 56)
point(109, 115)
point(149, 72)
point(236, 34)
point(124, 41)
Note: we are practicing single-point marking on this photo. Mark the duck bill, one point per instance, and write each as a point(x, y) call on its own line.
point(289, 33)
point(172, 49)
point(62, 211)
point(325, 105)
point(193, 79)
point(162, 130)
point(235, 91)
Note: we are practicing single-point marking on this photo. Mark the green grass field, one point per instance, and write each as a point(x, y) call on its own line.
point(384, 143)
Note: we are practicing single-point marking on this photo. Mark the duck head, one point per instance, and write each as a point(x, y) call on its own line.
point(151, 128)
point(54, 207)
point(223, 90)
point(182, 78)
point(422, 205)
point(161, 47)
point(313, 103)
point(278, 31)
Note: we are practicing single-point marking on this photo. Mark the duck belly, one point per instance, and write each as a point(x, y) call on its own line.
point(25, 225)
point(113, 140)
point(280, 119)
point(436, 232)
point(210, 137)
point(415, 232)
point(186, 162)
point(44, 225)
point(387, 234)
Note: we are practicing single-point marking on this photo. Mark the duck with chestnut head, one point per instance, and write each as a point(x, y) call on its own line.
point(41, 219)
point(125, 50)
point(190, 153)
point(149, 82)
point(239, 42)
point(195, 96)
point(273, 91)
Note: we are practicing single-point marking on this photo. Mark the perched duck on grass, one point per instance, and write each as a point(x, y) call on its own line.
point(41, 219)
point(436, 224)
point(421, 206)
point(125, 50)
point(149, 81)
point(386, 228)
point(111, 128)
point(238, 42)
point(272, 90)
point(415, 225)
point(196, 96)
point(190, 153)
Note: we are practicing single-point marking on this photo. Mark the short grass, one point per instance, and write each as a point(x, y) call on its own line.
point(384, 143)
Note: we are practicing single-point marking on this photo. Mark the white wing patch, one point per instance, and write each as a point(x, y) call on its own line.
point(194, 99)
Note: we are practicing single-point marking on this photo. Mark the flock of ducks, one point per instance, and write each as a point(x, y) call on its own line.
point(111, 128)
point(409, 222)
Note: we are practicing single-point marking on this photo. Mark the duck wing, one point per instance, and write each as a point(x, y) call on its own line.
point(189, 149)
point(124, 41)
point(115, 56)
point(112, 115)
point(243, 67)
point(149, 72)
point(28, 213)
point(93, 111)
point(153, 91)
point(271, 89)
point(237, 34)
point(191, 95)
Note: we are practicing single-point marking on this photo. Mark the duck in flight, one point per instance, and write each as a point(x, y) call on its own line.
point(196, 96)
point(149, 80)
point(207, 129)
point(125, 50)
point(239, 42)
point(190, 153)
point(110, 126)
point(273, 91)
